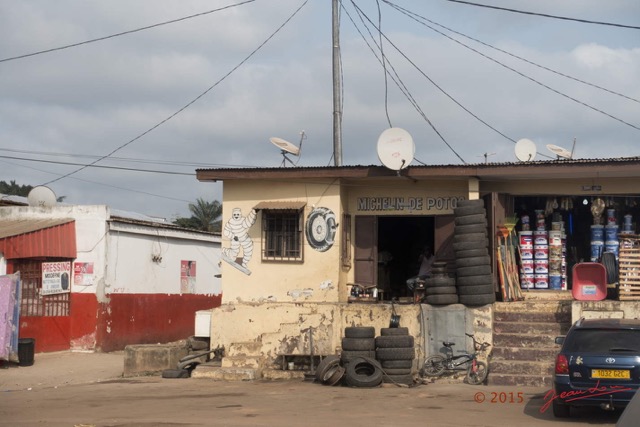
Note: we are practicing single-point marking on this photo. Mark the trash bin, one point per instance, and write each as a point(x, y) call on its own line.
point(26, 350)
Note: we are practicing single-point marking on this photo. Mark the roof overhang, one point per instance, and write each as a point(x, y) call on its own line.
point(38, 238)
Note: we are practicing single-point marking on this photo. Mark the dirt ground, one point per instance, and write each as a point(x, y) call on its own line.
point(82, 390)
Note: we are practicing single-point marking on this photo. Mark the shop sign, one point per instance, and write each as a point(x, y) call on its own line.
point(56, 278)
point(421, 204)
point(83, 273)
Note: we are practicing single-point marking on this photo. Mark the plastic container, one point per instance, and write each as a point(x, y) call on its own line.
point(540, 237)
point(555, 281)
point(26, 351)
point(610, 233)
point(597, 233)
point(541, 281)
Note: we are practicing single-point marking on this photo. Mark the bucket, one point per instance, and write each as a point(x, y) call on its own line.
point(527, 281)
point(540, 251)
point(26, 350)
point(555, 252)
point(527, 267)
point(525, 223)
point(555, 281)
point(540, 237)
point(541, 281)
point(555, 238)
point(611, 216)
point(610, 233)
point(597, 247)
point(555, 266)
point(541, 266)
point(557, 226)
point(526, 252)
point(597, 232)
point(526, 238)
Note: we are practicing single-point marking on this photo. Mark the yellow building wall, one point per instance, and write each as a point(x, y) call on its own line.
point(314, 279)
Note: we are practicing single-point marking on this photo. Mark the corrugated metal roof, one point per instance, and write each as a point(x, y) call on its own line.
point(280, 205)
point(15, 227)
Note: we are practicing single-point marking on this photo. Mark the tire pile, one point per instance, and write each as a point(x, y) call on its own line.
point(473, 263)
point(440, 288)
point(368, 361)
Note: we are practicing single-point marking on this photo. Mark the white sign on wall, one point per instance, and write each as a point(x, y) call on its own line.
point(56, 278)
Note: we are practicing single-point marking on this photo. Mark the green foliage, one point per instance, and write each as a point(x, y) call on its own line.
point(205, 216)
point(13, 189)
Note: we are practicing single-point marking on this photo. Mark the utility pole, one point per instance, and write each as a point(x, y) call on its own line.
point(337, 96)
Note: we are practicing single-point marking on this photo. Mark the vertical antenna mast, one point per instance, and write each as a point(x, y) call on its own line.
point(337, 101)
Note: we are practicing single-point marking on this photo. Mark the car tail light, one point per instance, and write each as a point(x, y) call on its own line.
point(562, 365)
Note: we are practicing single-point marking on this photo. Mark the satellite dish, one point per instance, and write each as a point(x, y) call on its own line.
point(396, 148)
point(42, 197)
point(525, 150)
point(559, 151)
point(287, 147)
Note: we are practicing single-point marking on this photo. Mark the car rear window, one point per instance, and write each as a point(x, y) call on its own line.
point(603, 341)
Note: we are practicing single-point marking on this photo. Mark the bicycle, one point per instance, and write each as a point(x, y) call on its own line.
point(477, 371)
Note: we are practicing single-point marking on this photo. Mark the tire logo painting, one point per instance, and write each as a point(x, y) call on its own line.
point(321, 229)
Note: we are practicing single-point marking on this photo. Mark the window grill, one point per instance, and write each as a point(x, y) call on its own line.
point(282, 235)
point(32, 302)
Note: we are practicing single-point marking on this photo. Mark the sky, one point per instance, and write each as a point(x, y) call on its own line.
point(147, 108)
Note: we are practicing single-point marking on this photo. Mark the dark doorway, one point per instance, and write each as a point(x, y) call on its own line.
point(400, 242)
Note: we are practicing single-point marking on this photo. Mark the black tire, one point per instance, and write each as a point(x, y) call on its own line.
point(434, 366)
point(475, 290)
point(434, 282)
point(477, 270)
point(325, 365)
point(442, 299)
point(469, 237)
point(333, 375)
point(466, 202)
point(396, 371)
point(348, 355)
point(363, 372)
point(176, 373)
point(473, 261)
point(468, 253)
point(478, 299)
point(560, 410)
point(441, 290)
point(400, 353)
point(477, 377)
point(398, 379)
point(358, 344)
point(477, 244)
point(470, 219)
point(483, 279)
point(396, 364)
point(470, 229)
point(469, 210)
point(394, 341)
point(394, 331)
point(360, 332)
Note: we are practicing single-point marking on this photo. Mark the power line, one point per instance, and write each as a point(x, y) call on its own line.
point(190, 102)
point(544, 15)
point(173, 21)
point(523, 75)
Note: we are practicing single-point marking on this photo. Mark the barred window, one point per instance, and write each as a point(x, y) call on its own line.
point(32, 302)
point(282, 235)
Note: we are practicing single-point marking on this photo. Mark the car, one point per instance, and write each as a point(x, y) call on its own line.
point(598, 365)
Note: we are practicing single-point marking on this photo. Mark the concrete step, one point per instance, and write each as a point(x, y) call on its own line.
point(218, 373)
point(279, 374)
point(521, 367)
point(523, 340)
point(533, 306)
point(250, 362)
point(543, 317)
point(244, 348)
point(519, 380)
point(525, 353)
point(533, 328)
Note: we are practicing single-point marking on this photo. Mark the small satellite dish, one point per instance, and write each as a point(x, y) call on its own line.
point(396, 148)
point(525, 150)
point(559, 151)
point(287, 147)
point(42, 197)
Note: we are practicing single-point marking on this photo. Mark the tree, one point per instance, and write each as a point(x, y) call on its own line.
point(13, 189)
point(205, 216)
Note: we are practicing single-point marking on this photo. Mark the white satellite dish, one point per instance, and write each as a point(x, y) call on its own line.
point(42, 196)
point(396, 148)
point(287, 147)
point(559, 151)
point(525, 150)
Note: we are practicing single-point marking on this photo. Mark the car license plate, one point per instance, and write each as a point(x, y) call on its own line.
point(611, 373)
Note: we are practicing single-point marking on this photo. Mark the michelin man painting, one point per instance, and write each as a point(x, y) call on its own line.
point(239, 253)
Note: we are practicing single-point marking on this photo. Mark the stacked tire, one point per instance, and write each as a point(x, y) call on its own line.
point(395, 353)
point(440, 288)
point(358, 341)
point(474, 280)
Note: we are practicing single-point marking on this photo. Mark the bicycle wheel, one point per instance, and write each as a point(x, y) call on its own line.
point(434, 366)
point(477, 376)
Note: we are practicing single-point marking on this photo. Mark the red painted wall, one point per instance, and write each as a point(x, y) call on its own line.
point(50, 333)
point(149, 318)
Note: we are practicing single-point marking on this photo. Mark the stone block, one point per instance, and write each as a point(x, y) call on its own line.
point(145, 359)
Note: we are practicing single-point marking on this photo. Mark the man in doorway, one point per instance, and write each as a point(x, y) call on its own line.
point(425, 259)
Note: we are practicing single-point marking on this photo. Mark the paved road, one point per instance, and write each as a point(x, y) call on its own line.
point(77, 398)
